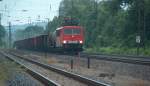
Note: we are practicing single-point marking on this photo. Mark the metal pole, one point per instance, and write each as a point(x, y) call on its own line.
point(96, 12)
point(10, 35)
point(138, 26)
point(141, 26)
point(88, 62)
point(144, 32)
point(0, 18)
point(138, 48)
point(72, 63)
point(72, 59)
point(46, 45)
point(77, 59)
point(145, 38)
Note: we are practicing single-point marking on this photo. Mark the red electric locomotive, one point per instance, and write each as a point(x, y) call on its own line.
point(69, 37)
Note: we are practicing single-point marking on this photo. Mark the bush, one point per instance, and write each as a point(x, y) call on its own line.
point(116, 50)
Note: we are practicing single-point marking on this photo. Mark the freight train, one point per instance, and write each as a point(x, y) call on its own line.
point(69, 37)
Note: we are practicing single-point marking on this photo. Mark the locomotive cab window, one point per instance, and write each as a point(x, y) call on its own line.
point(72, 31)
point(76, 31)
point(67, 31)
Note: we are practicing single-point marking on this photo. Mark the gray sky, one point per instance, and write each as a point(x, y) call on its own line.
point(35, 8)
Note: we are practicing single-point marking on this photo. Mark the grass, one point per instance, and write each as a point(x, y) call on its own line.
point(124, 51)
point(6, 69)
point(3, 71)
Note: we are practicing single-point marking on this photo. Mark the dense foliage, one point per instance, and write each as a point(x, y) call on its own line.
point(110, 23)
point(28, 32)
point(2, 35)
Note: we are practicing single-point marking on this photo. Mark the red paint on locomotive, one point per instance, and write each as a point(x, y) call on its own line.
point(69, 37)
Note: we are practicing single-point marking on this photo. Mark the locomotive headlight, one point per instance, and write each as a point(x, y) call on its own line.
point(80, 42)
point(64, 41)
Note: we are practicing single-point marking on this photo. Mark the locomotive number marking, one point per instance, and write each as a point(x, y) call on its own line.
point(72, 41)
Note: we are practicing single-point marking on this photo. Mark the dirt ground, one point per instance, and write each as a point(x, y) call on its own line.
point(114, 73)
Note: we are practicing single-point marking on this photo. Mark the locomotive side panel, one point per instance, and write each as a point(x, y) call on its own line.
point(69, 38)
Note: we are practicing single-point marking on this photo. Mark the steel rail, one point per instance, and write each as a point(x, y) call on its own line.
point(118, 58)
point(44, 80)
point(88, 81)
point(117, 55)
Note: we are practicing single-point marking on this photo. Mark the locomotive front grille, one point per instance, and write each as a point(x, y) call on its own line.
point(72, 42)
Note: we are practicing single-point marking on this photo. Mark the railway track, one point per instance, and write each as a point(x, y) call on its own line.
point(44, 80)
point(74, 76)
point(133, 59)
point(141, 60)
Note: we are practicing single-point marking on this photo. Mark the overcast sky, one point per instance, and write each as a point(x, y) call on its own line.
point(35, 9)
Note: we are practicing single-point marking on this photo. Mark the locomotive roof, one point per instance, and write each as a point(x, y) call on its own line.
point(68, 27)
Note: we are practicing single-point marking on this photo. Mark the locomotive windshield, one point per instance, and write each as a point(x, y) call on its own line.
point(71, 31)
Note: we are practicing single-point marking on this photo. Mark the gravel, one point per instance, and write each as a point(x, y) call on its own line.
point(58, 78)
point(22, 79)
point(12, 75)
point(115, 73)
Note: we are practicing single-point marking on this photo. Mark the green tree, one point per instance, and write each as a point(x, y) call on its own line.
point(2, 34)
point(108, 23)
point(28, 32)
